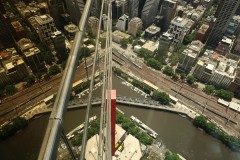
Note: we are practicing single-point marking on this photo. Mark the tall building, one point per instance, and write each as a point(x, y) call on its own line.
point(149, 11)
point(133, 8)
point(164, 45)
point(18, 30)
point(224, 13)
point(75, 9)
point(46, 27)
point(56, 8)
point(119, 7)
point(59, 44)
point(16, 69)
point(134, 25)
point(122, 23)
point(189, 56)
point(235, 84)
point(34, 59)
point(152, 32)
point(6, 38)
point(168, 10)
point(178, 29)
point(70, 30)
point(93, 23)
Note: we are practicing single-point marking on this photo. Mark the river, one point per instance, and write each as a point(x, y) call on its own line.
point(177, 133)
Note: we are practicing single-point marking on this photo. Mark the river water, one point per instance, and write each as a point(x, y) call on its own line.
point(177, 133)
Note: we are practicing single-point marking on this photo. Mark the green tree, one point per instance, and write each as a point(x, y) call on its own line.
point(171, 156)
point(30, 79)
point(38, 75)
point(144, 53)
point(124, 43)
point(188, 39)
point(134, 42)
point(47, 76)
point(191, 80)
point(168, 71)
point(54, 70)
point(226, 95)
point(151, 62)
point(10, 89)
point(63, 64)
point(162, 97)
point(209, 89)
point(183, 76)
point(139, 33)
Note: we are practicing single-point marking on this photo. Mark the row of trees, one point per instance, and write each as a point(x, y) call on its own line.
point(82, 87)
point(120, 73)
point(210, 128)
point(189, 79)
point(145, 88)
point(221, 93)
point(12, 127)
point(93, 129)
point(131, 128)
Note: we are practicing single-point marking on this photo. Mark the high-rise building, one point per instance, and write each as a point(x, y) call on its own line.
point(135, 25)
point(224, 13)
point(189, 56)
point(70, 30)
point(168, 10)
point(119, 7)
point(178, 29)
point(59, 45)
point(34, 59)
point(18, 30)
point(75, 9)
point(149, 11)
point(93, 23)
point(235, 84)
point(16, 69)
point(6, 38)
point(122, 23)
point(56, 8)
point(46, 27)
point(152, 32)
point(133, 8)
point(164, 45)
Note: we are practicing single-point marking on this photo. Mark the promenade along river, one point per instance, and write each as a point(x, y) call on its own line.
point(177, 133)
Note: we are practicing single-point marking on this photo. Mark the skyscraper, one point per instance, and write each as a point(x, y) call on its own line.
point(56, 8)
point(168, 10)
point(133, 8)
point(224, 13)
point(6, 38)
point(149, 11)
point(75, 9)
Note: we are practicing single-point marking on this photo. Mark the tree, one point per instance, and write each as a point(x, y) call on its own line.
point(168, 71)
point(139, 33)
point(10, 89)
point(63, 64)
point(30, 79)
point(38, 75)
point(134, 42)
point(191, 80)
point(144, 53)
point(154, 64)
point(47, 76)
point(85, 52)
point(162, 97)
point(226, 95)
point(209, 89)
point(183, 76)
point(188, 39)
point(171, 156)
point(48, 57)
point(175, 76)
point(54, 70)
point(124, 43)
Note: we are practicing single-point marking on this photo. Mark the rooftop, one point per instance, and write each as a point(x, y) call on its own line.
point(153, 29)
point(151, 46)
point(44, 19)
point(179, 21)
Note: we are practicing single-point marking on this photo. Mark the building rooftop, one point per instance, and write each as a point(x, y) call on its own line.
point(151, 46)
point(71, 28)
point(179, 21)
point(43, 19)
point(203, 29)
point(153, 29)
point(17, 26)
point(32, 51)
point(121, 34)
